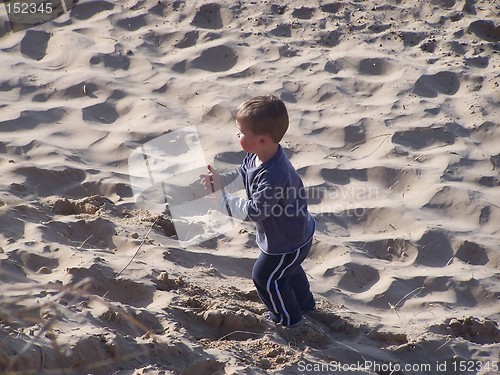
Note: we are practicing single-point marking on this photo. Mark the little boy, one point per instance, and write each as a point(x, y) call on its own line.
point(278, 206)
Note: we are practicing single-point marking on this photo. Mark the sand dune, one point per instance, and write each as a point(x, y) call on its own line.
point(394, 129)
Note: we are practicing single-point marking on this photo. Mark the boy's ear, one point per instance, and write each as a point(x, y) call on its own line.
point(265, 138)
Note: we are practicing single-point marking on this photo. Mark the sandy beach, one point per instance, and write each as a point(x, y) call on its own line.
point(394, 128)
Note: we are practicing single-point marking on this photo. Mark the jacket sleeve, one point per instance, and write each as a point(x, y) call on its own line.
point(265, 198)
point(232, 180)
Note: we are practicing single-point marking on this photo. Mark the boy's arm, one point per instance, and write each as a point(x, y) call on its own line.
point(260, 205)
point(229, 181)
point(232, 181)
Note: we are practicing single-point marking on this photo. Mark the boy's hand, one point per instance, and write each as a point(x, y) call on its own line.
point(211, 181)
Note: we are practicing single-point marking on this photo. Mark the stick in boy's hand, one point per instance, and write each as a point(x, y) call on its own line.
point(211, 181)
point(212, 184)
point(210, 169)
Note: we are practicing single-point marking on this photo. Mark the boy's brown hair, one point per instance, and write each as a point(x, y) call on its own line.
point(264, 115)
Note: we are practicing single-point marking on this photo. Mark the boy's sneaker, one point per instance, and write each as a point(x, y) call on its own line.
point(299, 324)
point(271, 317)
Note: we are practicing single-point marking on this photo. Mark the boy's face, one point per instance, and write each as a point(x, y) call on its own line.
point(248, 140)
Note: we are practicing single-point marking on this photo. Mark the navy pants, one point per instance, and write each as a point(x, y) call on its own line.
point(282, 285)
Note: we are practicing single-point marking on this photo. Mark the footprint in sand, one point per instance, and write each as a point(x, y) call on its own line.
point(210, 16)
point(331, 7)
point(355, 134)
point(430, 86)
point(159, 9)
point(336, 176)
point(445, 3)
point(335, 323)
point(434, 249)
point(34, 44)
point(216, 59)
point(31, 119)
point(411, 38)
point(131, 321)
point(34, 262)
point(121, 290)
point(81, 90)
point(303, 13)
point(45, 182)
point(472, 253)
point(329, 39)
point(102, 113)
point(486, 30)
point(113, 61)
point(11, 272)
point(282, 30)
point(392, 249)
point(393, 292)
point(133, 23)
point(278, 9)
point(478, 62)
point(356, 278)
point(489, 181)
point(333, 67)
point(230, 157)
point(485, 214)
point(420, 138)
point(95, 233)
point(85, 11)
point(189, 39)
point(478, 330)
point(374, 67)
point(230, 321)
